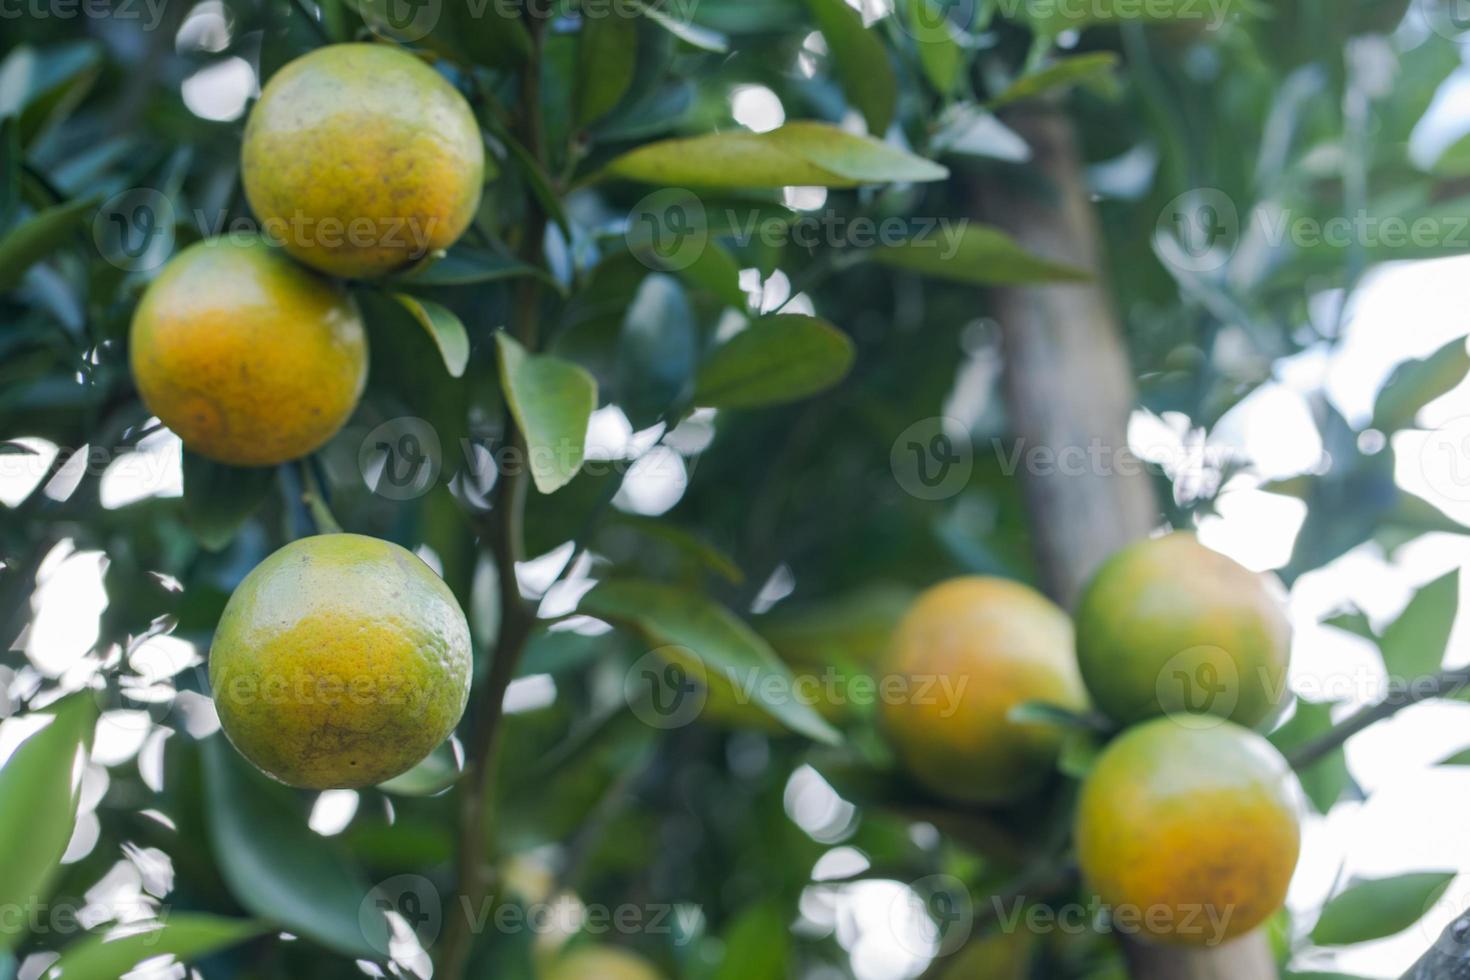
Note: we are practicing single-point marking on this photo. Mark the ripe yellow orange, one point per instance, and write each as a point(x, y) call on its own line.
point(250, 358)
point(340, 661)
point(1190, 835)
point(1168, 626)
point(967, 652)
point(602, 963)
point(360, 158)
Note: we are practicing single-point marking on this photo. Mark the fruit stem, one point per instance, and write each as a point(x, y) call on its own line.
point(506, 539)
point(316, 501)
point(1399, 697)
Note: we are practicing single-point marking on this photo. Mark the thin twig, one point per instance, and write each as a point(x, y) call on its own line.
point(1434, 686)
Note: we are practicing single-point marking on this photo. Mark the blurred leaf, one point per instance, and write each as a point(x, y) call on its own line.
point(655, 350)
point(37, 237)
point(277, 867)
point(1368, 910)
point(940, 54)
point(974, 253)
point(446, 329)
point(10, 168)
point(1052, 716)
point(861, 61)
point(1414, 644)
point(685, 30)
point(775, 360)
point(492, 34)
point(1079, 753)
point(1353, 621)
point(464, 266)
point(40, 787)
point(688, 542)
point(1325, 780)
point(969, 130)
point(757, 945)
point(607, 54)
point(39, 86)
point(1461, 758)
point(438, 771)
point(717, 271)
point(800, 153)
point(1455, 160)
point(1064, 72)
point(185, 936)
point(219, 498)
point(1416, 383)
point(719, 647)
point(552, 400)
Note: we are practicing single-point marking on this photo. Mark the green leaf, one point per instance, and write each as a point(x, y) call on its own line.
point(690, 33)
point(1414, 644)
point(437, 772)
point(41, 86)
point(551, 400)
point(1375, 909)
point(185, 936)
point(861, 61)
point(464, 266)
point(757, 944)
point(737, 667)
point(1461, 758)
point(40, 790)
point(940, 54)
point(1325, 780)
point(1416, 383)
point(1455, 160)
point(1064, 72)
point(1079, 753)
point(276, 866)
point(448, 332)
point(219, 498)
point(1051, 716)
point(775, 360)
point(974, 253)
point(607, 57)
point(37, 237)
point(969, 130)
point(10, 169)
point(807, 154)
point(655, 349)
point(687, 542)
point(716, 271)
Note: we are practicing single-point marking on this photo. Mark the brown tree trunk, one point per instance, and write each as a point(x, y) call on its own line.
point(1069, 388)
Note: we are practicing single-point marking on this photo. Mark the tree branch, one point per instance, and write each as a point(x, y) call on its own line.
point(1434, 686)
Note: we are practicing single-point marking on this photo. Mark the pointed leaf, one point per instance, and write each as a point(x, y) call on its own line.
point(684, 29)
point(801, 153)
point(1382, 907)
point(655, 349)
point(277, 867)
point(775, 360)
point(974, 253)
point(861, 61)
point(1416, 383)
point(607, 56)
point(40, 789)
point(1414, 644)
point(37, 237)
point(739, 669)
point(551, 400)
point(464, 266)
point(971, 131)
point(438, 771)
point(1325, 780)
point(448, 332)
point(185, 936)
point(1065, 72)
point(717, 271)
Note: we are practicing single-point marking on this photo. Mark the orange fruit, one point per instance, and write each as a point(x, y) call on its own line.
point(966, 653)
point(1190, 835)
point(602, 963)
point(250, 358)
point(340, 661)
point(360, 159)
point(1168, 626)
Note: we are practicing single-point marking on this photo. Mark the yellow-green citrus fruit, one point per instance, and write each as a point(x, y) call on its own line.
point(1168, 626)
point(602, 963)
point(967, 652)
point(360, 159)
point(249, 358)
point(340, 661)
point(1190, 835)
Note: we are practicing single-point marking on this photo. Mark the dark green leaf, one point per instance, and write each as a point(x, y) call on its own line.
point(974, 253)
point(464, 266)
point(775, 360)
point(685, 30)
point(1368, 910)
point(219, 498)
point(655, 349)
point(1325, 780)
point(10, 168)
point(1065, 72)
point(277, 867)
point(738, 668)
point(448, 332)
point(37, 237)
point(438, 771)
point(40, 786)
point(861, 61)
point(716, 271)
point(757, 944)
point(940, 54)
point(184, 936)
point(799, 153)
point(552, 400)
point(1414, 644)
point(607, 54)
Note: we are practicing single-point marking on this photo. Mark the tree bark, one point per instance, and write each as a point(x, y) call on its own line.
point(1069, 387)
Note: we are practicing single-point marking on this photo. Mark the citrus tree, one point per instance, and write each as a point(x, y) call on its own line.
point(585, 489)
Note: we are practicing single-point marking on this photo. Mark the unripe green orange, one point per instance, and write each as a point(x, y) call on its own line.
point(1189, 835)
point(250, 358)
point(361, 159)
point(968, 652)
point(602, 963)
point(340, 661)
point(1168, 626)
